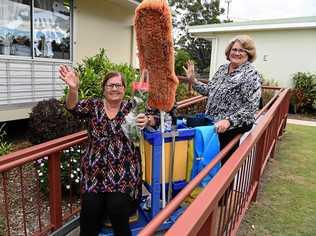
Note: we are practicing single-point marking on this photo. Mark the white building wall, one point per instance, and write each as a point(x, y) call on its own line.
point(280, 54)
point(103, 24)
point(24, 82)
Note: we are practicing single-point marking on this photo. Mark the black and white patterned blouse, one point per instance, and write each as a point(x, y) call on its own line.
point(233, 96)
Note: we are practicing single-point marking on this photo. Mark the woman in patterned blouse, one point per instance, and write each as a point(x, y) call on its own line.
point(234, 92)
point(111, 165)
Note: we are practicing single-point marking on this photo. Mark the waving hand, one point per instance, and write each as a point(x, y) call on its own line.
point(72, 80)
point(69, 76)
point(189, 71)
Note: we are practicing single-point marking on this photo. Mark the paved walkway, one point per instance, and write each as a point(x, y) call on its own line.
point(301, 122)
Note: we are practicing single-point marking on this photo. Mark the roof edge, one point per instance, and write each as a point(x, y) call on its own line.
point(127, 3)
point(256, 25)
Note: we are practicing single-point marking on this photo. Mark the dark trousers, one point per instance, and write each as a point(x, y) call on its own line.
point(226, 137)
point(95, 207)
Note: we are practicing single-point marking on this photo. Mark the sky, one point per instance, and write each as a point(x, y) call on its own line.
point(241, 10)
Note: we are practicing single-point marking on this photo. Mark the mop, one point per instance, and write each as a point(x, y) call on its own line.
point(153, 28)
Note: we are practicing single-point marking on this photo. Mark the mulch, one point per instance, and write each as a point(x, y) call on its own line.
point(35, 202)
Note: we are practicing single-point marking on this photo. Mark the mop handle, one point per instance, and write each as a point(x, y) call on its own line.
point(171, 164)
point(163, 168)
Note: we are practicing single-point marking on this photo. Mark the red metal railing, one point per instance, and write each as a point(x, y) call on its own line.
point(220, 207)
point(36, 212)
point(40, 213)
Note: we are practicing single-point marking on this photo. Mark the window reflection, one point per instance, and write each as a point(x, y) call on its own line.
point(52, 29)
point(15, 27)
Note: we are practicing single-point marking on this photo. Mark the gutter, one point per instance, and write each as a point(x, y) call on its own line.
point(280, 26)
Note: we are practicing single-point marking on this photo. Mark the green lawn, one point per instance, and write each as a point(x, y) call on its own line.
point(286, 204)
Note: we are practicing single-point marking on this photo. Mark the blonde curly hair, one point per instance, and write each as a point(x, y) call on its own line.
point(247, 43)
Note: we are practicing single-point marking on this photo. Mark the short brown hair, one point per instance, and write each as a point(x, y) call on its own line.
point(111, 75)
point(247, 43)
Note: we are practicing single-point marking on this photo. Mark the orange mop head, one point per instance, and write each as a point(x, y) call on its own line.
point(155, 46)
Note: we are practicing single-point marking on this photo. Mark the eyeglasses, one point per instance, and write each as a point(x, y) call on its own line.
point(239, 50)
point(112, 86)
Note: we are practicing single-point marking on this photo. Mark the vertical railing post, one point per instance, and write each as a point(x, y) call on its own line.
point(274, 135)
point(286, 109)
point(284, 113)
point(260, 155)
point(6, 202)
point(210, 225)
point(55, 189)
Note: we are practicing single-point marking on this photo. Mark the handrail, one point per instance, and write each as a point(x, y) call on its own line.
point(185, 79)
point(271, 101)
point(23, 156)
point(178, 199)
point(209, 196)
point(14, 162)
point(214, 190)
point(52, 149)
point(271, 87)
point(188, 100)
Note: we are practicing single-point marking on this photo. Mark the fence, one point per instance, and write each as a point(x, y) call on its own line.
point(220, 207)
point(29, 208)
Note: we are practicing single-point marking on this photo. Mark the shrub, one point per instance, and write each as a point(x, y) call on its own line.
point(267, 94)
point(304, 92)
point(193, 109)
point(5, 146)
point(92, 70)
point(70, 170)
point(183, 93)
point(49, 120)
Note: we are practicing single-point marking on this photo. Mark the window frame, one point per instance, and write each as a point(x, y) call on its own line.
point(33, 57)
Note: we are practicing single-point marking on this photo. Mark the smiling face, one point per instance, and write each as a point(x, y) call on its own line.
point(114, 89)
point(238, 55)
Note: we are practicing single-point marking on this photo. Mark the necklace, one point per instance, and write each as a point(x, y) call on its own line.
point(232, 67)
point(111, 111)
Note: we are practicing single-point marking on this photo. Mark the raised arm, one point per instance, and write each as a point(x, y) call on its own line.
point(198, 86)
point(72, 80)
point(189, 71)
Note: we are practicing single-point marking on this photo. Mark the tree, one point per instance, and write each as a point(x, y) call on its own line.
point(195, 12)
point(181, 57)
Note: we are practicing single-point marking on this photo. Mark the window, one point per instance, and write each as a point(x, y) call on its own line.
point(15, 27)
point(51, 28)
